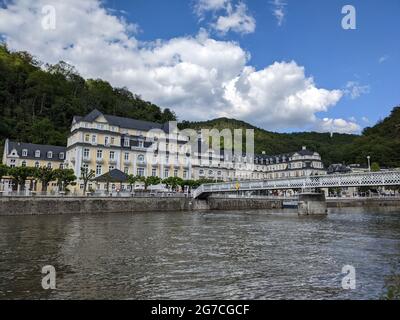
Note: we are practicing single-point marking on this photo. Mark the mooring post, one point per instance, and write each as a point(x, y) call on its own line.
point(312, 204)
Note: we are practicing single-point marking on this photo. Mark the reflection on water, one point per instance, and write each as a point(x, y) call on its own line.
point(229, 255)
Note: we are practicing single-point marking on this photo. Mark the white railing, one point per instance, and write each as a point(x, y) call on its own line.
point(370, 179)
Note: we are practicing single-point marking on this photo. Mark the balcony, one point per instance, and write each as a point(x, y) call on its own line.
point(127, 162)
point(100, 160)
point(86, 159)
point(112, 161)
point(73, 160)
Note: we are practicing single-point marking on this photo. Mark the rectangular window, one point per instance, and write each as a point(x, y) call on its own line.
point(24, 153)
point(175, 173)
point(94, 138)
point(86, 153)
point(126, 170)
point(126, 157)
point(140, 172)
point(126, 142)
point(166, 173)
point(99, 154)
point(61, 156)
point(112, 155)
point(98, 170)
point(141, 144)
point(185, 174)
point(154, 172)
point(87, 137)
point(106, 140)
point(112, 140)
point(50, 155)
point(37, 153)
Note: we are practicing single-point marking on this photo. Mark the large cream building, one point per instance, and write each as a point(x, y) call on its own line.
point(102, 143)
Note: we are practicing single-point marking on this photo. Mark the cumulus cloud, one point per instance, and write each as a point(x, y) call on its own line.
point(197, 76)
point(236, 20)
point(231, 17)
point(337, 125)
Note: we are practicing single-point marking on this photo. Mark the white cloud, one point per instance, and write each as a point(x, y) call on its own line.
point(236, 20)
point(365, 119)
point(279, 11)
point(196, 76)
point(337, 125)
point(383, 58)
point(354, 90)
point(230, 18)
point(203, 6)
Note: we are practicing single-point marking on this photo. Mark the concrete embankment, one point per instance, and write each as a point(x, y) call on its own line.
point(367, 203)
point(36, 206)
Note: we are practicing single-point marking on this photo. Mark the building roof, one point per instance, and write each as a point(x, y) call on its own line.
point(126, 123)
point(113, 176)
point(32, 148)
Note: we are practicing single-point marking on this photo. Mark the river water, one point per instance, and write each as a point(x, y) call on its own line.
point(204, 255)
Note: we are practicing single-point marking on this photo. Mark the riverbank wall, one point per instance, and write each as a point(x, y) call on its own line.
point(363, 202)
point(82, 205)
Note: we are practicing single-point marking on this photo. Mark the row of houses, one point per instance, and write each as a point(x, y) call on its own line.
point(105, 143)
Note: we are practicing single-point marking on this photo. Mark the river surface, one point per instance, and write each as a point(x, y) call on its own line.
point(204, 255)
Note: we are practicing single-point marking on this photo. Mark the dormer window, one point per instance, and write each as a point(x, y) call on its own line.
point(50, 155)
point(37, 154)
point(24, 153)
point(61, 156)
point(126, 142)
point(141, 144)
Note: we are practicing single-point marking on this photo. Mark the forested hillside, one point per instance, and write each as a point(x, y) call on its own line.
point(330, 147)
point(37, 103)
point(381, 142)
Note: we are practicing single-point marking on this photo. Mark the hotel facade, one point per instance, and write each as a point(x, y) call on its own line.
point(103, 143)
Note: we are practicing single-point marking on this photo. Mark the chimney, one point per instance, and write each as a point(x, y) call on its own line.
point(264, 153)
point(304, 148)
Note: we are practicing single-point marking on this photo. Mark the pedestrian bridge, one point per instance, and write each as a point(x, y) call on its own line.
point(368, 179)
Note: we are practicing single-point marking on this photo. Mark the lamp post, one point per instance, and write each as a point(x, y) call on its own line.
point(369, 163)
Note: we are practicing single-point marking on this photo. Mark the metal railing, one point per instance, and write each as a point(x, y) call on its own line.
point(389, 178)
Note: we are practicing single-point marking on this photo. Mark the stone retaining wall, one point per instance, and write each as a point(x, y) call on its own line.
point(35, 206)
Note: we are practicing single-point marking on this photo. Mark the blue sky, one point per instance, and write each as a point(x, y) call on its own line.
point(354, 72)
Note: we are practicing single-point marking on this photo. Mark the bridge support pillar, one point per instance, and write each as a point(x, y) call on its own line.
point(312, 204)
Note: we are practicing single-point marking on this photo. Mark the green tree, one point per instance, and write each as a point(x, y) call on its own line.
point(21, 175)
point(375, 167)
point(132, 179)
point(87, 176)
point(45, 175)
point(173, 182)
point(151, 181)
point(64, 177)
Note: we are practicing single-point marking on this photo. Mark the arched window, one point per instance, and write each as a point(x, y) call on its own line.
point(23, 164)
point(37, 164)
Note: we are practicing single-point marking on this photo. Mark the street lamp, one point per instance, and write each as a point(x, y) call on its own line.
point(369, 163)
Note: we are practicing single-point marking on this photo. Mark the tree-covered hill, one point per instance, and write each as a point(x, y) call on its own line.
point(330, 146)
point(381, 142)
point(37, 102)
